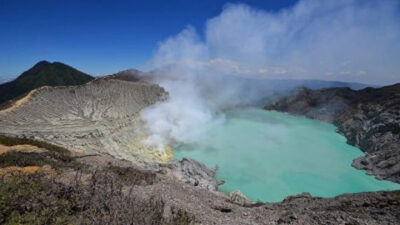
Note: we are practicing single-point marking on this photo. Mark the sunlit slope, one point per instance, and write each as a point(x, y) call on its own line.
point(101, 116)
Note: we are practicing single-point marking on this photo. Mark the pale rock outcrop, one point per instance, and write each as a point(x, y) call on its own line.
point(101, 116)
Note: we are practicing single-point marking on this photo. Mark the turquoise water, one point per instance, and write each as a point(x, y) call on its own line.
point(269, 155)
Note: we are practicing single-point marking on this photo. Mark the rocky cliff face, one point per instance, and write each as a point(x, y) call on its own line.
point(99, 117)
point(369, 118)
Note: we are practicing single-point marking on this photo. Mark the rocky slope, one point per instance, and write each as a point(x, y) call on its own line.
point(45, 184)
point(42, 74)
point(369, 118)
point(101, 116)
point(130, 75)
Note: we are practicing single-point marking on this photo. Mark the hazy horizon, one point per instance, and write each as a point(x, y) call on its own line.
point(347, 40)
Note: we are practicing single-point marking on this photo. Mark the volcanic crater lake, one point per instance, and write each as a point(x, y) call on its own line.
point(270, 155)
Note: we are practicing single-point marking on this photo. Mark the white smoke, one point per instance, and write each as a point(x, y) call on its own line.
point(345, 40)
point(183, 118)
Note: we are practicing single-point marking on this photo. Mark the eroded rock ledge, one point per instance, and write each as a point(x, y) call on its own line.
point(369, 118)
point(101, 116)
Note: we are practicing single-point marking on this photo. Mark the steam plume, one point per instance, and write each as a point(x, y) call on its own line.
point(347, 40)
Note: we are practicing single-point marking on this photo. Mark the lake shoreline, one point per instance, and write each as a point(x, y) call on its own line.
point(306, 178)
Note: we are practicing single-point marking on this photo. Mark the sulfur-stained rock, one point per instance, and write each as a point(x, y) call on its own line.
point(101, 116)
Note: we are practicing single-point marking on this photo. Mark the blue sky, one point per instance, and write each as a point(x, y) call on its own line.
point(99, 37)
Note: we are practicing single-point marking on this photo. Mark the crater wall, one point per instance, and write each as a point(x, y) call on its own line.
point(99, 117)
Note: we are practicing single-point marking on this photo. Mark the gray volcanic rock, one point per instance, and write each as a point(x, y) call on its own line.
point(127, 75)
point(197, 174)
point(99, 117)
point(362, 208)
point(369, 118)
point(213, 207)
point(373, 208)
point(121, 187)
point(132, 75)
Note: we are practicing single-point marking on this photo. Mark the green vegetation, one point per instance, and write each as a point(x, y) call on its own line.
point(31, 200)
point(22, 159)
point(10, 141)
point(42, 74)
point(76, 194)
point(37, 199)
point(55, 156)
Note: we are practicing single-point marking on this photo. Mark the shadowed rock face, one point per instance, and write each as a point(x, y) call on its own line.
point(369, 118)
point(98, 117)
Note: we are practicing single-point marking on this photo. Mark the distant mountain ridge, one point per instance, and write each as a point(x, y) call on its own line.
point(5, 80)
point(45, 73)
point(41, 74)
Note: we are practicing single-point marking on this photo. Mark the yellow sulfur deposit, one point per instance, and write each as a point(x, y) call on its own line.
point(153, 153)
point(164, 156)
